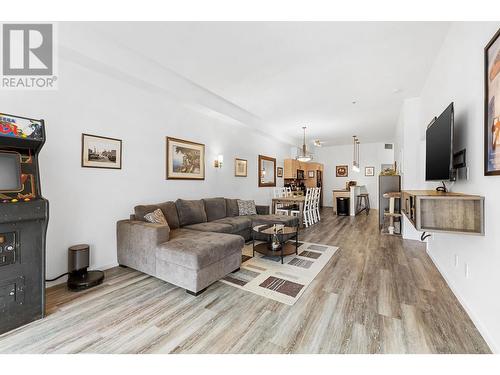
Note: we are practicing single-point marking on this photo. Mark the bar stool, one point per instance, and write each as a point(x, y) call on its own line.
point(363, 203)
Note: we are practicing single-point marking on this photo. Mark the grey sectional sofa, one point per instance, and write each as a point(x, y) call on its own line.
point(201, 244)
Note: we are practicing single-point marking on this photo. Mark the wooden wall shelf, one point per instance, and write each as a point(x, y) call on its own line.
point(433, 211)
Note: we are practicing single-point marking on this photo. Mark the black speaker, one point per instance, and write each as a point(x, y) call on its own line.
point(78, 262)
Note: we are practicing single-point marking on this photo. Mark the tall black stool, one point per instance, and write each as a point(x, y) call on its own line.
point(363, 203)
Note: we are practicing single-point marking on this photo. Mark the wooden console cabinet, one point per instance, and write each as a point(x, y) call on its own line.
point(433, 211)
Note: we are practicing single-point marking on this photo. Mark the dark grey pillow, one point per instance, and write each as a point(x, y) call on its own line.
point(232, 207)
point(168, 208)
point(191, 211)
point(215, 208)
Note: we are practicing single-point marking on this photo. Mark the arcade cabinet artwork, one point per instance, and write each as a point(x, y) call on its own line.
point(23, 222)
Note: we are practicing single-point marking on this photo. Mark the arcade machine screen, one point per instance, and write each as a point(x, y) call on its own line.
point(10, 171)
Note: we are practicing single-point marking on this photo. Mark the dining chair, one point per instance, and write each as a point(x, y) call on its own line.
point(316, 204)
point(307, 211)
point(280, 192)
point(311, 208)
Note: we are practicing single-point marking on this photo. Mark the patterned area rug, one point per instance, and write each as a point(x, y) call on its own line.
point(286, 282)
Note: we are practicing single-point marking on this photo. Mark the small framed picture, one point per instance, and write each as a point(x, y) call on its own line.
point(101, 152)
point(185, 160)
point(310, 174)
point(279, 172)
point(342, 171)
point(370, 171)
point(240, 167)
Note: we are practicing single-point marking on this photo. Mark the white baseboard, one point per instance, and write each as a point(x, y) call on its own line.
point(477, 322)
point(62, 280)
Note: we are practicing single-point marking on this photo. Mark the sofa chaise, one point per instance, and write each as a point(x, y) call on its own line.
point(201, 243)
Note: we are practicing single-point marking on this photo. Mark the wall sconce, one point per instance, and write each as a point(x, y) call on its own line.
point(219, 161)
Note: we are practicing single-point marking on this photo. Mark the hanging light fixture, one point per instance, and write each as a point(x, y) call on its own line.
point(355, 162)
point(304, 155)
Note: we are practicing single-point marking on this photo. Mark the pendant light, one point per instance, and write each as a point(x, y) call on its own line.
point(303, 155)
point(355, 162)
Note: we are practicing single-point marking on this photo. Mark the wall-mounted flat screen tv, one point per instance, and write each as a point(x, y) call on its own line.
point(10, 172)
point(439, 148)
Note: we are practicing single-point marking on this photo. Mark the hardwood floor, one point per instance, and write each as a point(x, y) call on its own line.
point(378, 294)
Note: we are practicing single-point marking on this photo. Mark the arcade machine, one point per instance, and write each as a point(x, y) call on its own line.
point(23, 222)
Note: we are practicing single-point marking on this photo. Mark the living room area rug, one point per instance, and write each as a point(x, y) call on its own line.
point(285, 283)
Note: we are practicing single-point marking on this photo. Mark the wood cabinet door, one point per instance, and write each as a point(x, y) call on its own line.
point(296, 165)
point(289, 169)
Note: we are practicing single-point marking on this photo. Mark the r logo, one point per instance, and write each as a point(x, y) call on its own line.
point(27, 49)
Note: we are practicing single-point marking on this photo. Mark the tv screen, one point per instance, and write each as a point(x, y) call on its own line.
point(10, 172)
point(439, 147)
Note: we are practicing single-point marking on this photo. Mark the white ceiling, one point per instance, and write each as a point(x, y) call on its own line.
point(292, 74)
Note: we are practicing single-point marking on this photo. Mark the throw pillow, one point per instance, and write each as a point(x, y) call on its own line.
point(246, 208)
point(169, 210)
point(156, 217)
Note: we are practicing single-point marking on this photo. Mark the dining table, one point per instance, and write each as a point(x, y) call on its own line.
point(298, 200)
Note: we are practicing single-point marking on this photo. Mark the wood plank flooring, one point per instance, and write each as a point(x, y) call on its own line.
point(378, 294)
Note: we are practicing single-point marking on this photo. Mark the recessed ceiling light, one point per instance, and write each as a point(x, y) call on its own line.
point(395, 91)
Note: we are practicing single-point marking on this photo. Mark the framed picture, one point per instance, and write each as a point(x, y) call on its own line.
point(101, 152)
point(342, 171)
point(185, 160)
point(279, 172)
point(240, 167)
point(492, 106)
point(267, 171)
point(310, 174)
point(370, 171)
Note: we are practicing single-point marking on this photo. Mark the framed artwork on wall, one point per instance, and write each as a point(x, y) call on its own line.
point(342, 171)
point(279, 172)
point(267, 171)
point(240, 167)
point(101, 152)
point(310, 174)
point(492, 106)
point(370, 171)
point(185, 160)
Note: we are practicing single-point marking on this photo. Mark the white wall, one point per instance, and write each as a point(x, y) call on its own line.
point(371, 155)
point(407, 146)
point(86, 203)
point(457, 75)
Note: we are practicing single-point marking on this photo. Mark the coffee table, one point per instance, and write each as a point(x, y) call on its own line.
point(277, 243)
